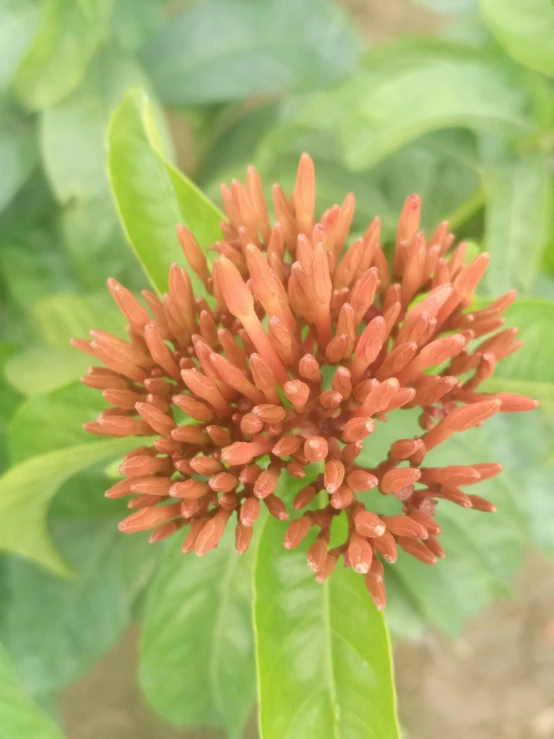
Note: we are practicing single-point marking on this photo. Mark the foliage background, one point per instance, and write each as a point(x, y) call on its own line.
point(466, 119)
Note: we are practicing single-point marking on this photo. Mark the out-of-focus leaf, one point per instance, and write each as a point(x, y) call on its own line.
point(197, 654)
point(96, 242)
point(234, 150)
point(403, 92)
point(18, 151)
point(217, 51)
point(58, 318)
point(56, 628)
point(18, 23)
point(53, 421)
point(44, 369)
point(531, 369)
point(134, 20)
point(58, 57)
point(27, 489)
point(483, 551)
point(152, 196)
point(517, 223)
point(323, 653)
point(73, 133)
point(9, 400)
point(448, 6)
point(19, 716)
point(525, 28)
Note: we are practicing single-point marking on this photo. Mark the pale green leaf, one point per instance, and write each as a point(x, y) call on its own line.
point(73, 133)
point(58, 57)
point(525, 28)
point(20, 718)
point(217, 51)
point(403, 92)
point(27, 489)
point(323, 653)
point(531, 369)
point(18, 23)
point(152, 196)
point(517, 223)
point(197, 662)
point(18, 151)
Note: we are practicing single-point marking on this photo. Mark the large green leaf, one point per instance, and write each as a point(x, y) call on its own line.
point(58, 57)
point(19, 716)
point(218, 51)
point(152, 196)
point(324, 662)
point(73, 133)
point(18, 151)
point(56, 628)
point(404, 91)
point(197, 661)
point(27, 489)
point(525, 28)
point(18, 24)
point(517, 223)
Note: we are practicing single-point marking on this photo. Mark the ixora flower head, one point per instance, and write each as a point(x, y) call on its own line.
point(307, 344)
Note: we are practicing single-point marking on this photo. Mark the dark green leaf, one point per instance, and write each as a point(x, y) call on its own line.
point(56, 628)
point(19, 717)
point(18, 23)
point(525, 28)
point(324, 662)
point(152, 196)
point(197, 661)
point(58, 57)
point(517, 223)
point(217, 51)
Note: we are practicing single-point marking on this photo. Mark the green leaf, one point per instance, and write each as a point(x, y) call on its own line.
point(197, 661)
point(96, 243)
point(18, 151)
point(134, 20)
point(152, 196)
point(27, 489)
point(57, 59)
point(483, 551)
point(404, 91)
point(531, 369)
point(517, 223)
point(324, 662)
point(73, 132)
point(57, 319)
point(19, 716)
point(525, 28)
point(218, 51)
point(56, 628)
point(53, 421)
point(18, 23)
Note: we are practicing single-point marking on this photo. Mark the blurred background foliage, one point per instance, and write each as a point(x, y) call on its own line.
point(465, 118)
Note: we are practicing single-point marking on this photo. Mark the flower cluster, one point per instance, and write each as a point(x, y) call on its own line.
point(305, 344)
